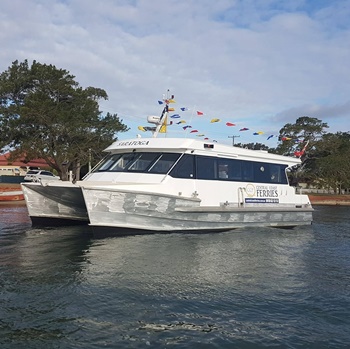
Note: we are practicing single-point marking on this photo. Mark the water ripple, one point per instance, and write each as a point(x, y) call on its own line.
point(249, 288)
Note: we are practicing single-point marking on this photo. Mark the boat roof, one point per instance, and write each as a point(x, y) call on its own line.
point(194, 146)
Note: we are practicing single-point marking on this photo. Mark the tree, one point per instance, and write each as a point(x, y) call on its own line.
point(253, 146)
point(306, 131)
point(294, 136)
point(44, 113)
point(332, 161)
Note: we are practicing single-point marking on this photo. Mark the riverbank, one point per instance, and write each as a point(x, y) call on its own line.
point(330, 199)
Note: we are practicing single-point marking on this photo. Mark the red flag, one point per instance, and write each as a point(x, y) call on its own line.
point(230, 124)
point(301, 152)
point(193, 131)
point(199, 113)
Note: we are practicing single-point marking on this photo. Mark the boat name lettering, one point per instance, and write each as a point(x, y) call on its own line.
point(133, 143)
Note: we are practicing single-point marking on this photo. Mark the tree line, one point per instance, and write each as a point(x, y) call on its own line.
point(45, 113)
point(325, 156)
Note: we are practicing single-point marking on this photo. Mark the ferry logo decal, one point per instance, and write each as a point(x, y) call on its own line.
point(250, 190)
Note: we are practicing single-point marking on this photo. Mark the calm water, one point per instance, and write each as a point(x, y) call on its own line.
point(250, 288)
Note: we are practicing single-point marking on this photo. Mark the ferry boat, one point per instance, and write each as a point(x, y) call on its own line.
point(175, 184)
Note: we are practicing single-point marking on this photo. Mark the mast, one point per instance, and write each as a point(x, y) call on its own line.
point(164, 116)
point(162, 120)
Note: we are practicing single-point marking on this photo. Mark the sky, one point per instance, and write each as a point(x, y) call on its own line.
point(256, 64)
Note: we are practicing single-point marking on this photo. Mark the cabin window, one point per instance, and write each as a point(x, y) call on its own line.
point(247, 171)
point(206, 167)
point(123, 162)
point(142, 161)
point(278, 174)
point(235, 170)
point(261, 172)
point(164, 163)
point(107, 163)
point(139, 162)
point(184, 168)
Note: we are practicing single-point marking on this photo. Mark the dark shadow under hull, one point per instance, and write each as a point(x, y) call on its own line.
point(54, 222)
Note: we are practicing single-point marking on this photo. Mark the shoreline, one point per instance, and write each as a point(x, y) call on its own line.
point(329, 199)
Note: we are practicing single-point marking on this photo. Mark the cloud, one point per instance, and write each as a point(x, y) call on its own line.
point(258, 63)
point(337, 116)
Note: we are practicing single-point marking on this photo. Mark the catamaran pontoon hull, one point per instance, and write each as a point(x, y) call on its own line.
point(55, 203)
point(117, 210)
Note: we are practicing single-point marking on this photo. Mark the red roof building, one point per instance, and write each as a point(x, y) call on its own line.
point(4, 161)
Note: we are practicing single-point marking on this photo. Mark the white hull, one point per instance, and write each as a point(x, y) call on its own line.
point(120, 209)
point(54, 201)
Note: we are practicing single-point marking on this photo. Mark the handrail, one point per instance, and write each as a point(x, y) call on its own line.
point(241, 202)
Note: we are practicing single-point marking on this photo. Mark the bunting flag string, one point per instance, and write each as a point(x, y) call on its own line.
point(171, 100)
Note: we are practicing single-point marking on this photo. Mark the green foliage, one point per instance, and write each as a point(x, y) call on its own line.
point(332, 161)
point(44, 113)
point(253, 146)
point(305, 128)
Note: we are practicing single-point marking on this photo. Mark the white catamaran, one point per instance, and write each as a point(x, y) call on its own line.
point(175, 184)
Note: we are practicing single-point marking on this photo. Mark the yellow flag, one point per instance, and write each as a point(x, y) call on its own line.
point(141, 128)
point(163, 128)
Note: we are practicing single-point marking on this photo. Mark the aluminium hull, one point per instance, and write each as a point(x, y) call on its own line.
point(118, 210)
point(52, 204)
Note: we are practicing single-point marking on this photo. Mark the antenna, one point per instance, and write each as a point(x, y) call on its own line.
point(233, 139)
